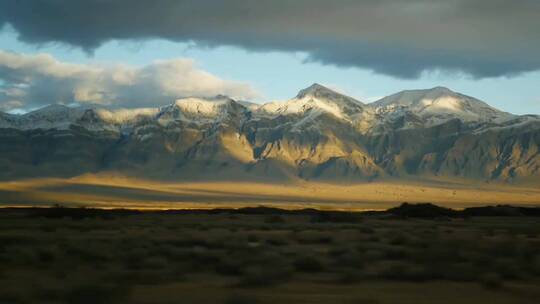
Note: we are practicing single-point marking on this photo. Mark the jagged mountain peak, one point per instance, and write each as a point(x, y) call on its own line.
point(319, 91)
point(313, 90)
point(318, 134)
point(417, 108)
point(314, 101)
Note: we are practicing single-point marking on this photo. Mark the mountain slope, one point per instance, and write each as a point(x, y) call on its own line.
point(317, 135)
point(312, 102)
point(438, 105)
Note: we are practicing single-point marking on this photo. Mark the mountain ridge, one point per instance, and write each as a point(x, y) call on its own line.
point(318, 135)
point(306, 99)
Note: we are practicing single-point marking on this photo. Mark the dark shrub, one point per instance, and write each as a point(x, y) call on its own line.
point(502, 210)
point(274, 219)
point(508, 269)
point(350, 259)
point(47, 256)
point(367, 230)
point(463, 272)
point(395, 254)
point(241, 299)
point(155, 262)
point(276, 241)
point(308, 264)
point(260, 276)
point(314, 237)
point(373, 254)
point(252, 238)
point(58, 211)
point(335, 217)
point(405, 272)
point(373, 238)
point(350, 276)
point(229, 266)
point(91, 293)
point(47, 294)
point(422, 211)
point(15, 297)
point(398, 239)
point(535, 265)
point(491, 280)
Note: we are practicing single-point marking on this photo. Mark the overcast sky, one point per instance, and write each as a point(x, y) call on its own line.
point(130, 53)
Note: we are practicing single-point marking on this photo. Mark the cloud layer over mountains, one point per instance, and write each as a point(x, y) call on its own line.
point(484, 38)
point(28, 81)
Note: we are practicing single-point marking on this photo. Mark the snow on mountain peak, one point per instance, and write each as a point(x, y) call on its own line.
point(52, 111)
point(207, 107)
point(200, 110)
point(316, 90)
point(441, 90)
point(415, 97)
point(438, 105)
point(418, 108)
point(321, 92)
point(300, 106)
point(52, 116)
point(314, 100)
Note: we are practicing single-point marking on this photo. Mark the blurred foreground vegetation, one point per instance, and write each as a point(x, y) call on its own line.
point(410, 254)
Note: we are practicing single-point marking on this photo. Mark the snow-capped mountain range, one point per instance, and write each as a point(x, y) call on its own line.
point(420, 108)
point(318, 134)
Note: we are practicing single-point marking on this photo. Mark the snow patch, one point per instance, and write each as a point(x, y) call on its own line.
point(203, 107)
point(438, 105)
point(311, 103)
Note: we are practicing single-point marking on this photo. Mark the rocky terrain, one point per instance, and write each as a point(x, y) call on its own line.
point(318, 135)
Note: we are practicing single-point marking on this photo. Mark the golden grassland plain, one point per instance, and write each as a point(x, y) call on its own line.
point(110, 191)
point(231, 257)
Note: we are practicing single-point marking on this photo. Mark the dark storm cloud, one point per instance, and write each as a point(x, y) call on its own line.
point(395, 37)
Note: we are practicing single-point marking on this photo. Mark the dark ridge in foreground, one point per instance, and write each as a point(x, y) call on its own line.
point(405, 210)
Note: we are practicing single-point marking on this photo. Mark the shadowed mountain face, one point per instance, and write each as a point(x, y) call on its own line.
point(318, 135)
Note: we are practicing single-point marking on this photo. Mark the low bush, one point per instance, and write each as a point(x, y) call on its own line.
point(241, 299)
point(336, 217)
point(91, 293)
point(405, 272)
point(349, 259)
point(260, 276)
point(314, 237)
point(308, 264)
point(229, 266)
point(274, 219)
point(350, 276)
point(491, 280)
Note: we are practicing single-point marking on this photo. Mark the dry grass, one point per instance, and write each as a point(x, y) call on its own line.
point(116, 191)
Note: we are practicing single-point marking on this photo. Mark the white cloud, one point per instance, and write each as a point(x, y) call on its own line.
point(10, 105)
point(33, 80)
